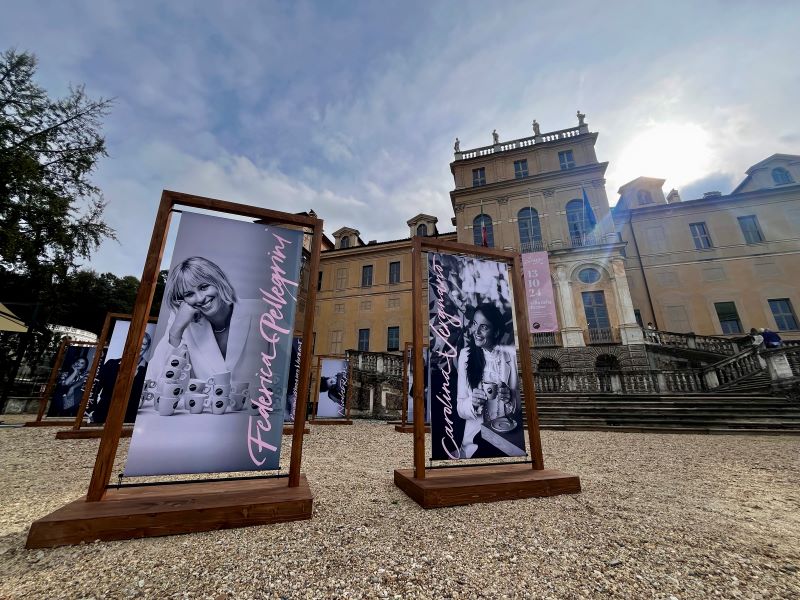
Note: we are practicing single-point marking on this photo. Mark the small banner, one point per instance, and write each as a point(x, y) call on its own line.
point(294, 380)
point(410, 378)
point(73, 373)
point(476, 410)
point(106, 377)
point(539, 292)
point(215, 388)
point(332, 389)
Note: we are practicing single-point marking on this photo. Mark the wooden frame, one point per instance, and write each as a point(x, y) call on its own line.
point(41, 420)
point(347, 399)
point(164, 509)
point(96, 431)
point(478, 482)
point(404, 426)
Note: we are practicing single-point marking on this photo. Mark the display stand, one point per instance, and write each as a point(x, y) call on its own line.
point(404, 426)
point(325, 420)
point(478, 482)
point(110, 512)
point(41, 420)
point(81, 430)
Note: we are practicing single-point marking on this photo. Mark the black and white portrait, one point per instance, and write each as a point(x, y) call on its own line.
point(71, 381)
point(331, 402)
point(474, 385)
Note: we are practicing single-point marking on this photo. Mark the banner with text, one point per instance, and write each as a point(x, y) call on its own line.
point(476, 410)
point(539, 292)
point(215, 388)
point(331, 402)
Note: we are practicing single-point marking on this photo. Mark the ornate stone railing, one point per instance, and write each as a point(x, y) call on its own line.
point(621, 382)
point(604, 335)
point(793, 358)
point(547, 339)
point(379, 363)
point(733, 368)
point(535, 246)
point(552, 136)
point(717, 345)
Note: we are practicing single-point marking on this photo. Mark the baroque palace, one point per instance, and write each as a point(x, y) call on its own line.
point(712, 266)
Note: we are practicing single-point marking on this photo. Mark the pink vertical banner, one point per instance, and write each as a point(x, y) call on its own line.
point(539, 292)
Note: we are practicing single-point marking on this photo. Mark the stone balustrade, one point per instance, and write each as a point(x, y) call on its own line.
point(552, 136)
point(717, 345)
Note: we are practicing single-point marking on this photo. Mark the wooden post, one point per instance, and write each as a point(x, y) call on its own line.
point(305, 358)
point(523, 336)
point(48, 389)
point(419, 388)
point(87, 392)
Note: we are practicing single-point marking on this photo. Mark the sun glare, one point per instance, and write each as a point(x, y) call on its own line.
point(677, 152)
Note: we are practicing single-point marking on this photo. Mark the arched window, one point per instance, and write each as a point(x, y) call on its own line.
point(422, 230)
point(530, 231)
point(344, 242)
point(580, 222)
point(548, 365)
point(644, 197)
point(589, 275)
point(481, 223)
point(781, 176)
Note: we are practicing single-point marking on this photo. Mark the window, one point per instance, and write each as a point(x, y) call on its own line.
point(344, 242)
point(530, 230)
point(393, 302)
point(521, 168)
point(319, 281)
point(335, 341)
point(702, 240)
point(363, 340)
point(644, 197)
point(422, 230)
point(750, 229)
point(394, 272)
point(589, 275)
point(728, 317)
point(481, 223)
point(366, 276)
point(785, 318)
point(341, 278)
point(365, 306)
point(781, 176)
point(677, 319)
point(638, 314)
point(656, 238)
point(338, 308)
point(594, 306)
point(478, 177)
point(392, 339)
point(579, 222)
point(566, 160)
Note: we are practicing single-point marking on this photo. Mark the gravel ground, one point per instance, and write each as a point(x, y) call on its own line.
point(660, 516)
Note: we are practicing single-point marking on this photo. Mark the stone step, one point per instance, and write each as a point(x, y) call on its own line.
point(682, 430)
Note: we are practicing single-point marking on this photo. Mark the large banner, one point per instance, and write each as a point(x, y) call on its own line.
point(215, 388)
point(474, 389)
point(294, 380)
point(539, 292)
point(332, 389)
point(71, 381)
point(410, 379)
point(106, 378)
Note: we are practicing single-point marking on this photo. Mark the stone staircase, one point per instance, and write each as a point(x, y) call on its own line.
point(723, 413)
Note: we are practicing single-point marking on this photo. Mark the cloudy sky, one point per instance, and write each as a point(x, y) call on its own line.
point(351, 108)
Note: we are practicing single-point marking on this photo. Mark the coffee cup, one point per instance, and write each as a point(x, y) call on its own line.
point(223, 378)
point(167, 406)
point(219, 390)
point(171, 390)
point(239, 387)
point(198, 386)
point(147, 397)
point(150, 383)
point(237, 401)
point(174, 374)
point(195, 403)
point(218, 405)
point(177, 361)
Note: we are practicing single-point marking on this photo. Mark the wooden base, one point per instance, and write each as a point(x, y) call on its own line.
point(50, 423)
point(394, 422)
point(331, 422)
point(150, 511)
point(489, 483)
point(288, 429)
point(88, 432)
point(409, 428)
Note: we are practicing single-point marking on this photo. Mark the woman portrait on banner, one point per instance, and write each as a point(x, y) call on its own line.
point(488, 388)
point(208, 324)
point(107, 379)
point(336, 387)
point(69, 388)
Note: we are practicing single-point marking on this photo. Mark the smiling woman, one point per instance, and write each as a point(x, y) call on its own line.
point(680, 151)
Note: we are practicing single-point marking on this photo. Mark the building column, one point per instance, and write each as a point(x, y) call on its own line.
point(571, 333)
point(629, 330)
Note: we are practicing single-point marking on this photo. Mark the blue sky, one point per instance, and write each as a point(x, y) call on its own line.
point(351, 108)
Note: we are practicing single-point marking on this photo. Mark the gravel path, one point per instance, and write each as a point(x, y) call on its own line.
point(661, 516)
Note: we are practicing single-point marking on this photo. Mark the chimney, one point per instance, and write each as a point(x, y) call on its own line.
point(673, 196)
